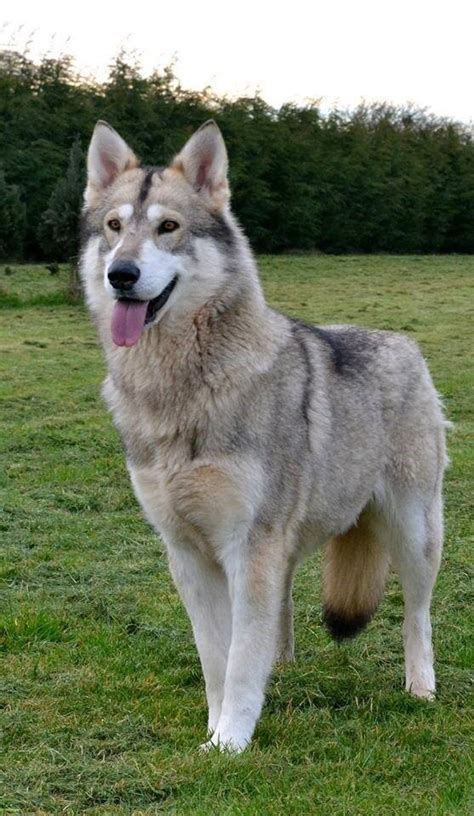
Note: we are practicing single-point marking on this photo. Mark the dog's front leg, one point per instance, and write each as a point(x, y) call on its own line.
point(203, 588)
point(257, 583)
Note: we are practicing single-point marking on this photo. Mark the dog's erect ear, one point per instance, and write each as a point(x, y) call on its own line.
point(108, 156)
point(203, 162)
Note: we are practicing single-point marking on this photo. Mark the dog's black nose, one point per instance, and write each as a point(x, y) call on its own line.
point(123, 274)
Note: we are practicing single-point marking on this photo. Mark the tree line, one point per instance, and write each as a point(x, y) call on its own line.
point(379, 178)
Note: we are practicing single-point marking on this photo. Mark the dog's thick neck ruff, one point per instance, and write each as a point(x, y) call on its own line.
point(206, 351)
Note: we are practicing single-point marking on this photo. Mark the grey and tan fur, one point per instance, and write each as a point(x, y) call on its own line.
point(251, 439)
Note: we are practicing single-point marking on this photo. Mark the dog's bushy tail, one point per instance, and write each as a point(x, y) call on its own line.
point(355, 570)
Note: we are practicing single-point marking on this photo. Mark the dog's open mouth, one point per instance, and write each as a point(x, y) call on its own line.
point(130, 316)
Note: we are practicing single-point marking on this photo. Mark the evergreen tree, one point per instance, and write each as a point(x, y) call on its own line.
point(12, 220)
point(58, 229)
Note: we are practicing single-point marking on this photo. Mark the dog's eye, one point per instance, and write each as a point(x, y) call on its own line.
point(168, 226)
point(114, 224)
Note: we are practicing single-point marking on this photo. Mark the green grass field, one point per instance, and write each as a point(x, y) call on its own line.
point(102, 701)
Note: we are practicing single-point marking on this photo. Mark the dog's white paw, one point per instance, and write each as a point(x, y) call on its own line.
point(421, 691)
point(421, 682)
point(224, 744)
point(205, 747)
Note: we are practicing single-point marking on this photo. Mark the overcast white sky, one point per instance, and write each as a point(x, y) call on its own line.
point(409, 50)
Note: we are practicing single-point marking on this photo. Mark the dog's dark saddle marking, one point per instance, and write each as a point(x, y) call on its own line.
point(349, 347)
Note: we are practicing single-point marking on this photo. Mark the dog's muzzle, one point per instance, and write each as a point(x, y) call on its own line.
point(123, 275)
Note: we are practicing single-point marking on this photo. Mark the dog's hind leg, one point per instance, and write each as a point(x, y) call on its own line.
point(415, 533)
point(203, 588)
point(286, 643)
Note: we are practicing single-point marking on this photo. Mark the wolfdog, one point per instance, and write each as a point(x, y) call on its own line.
point(252, 438)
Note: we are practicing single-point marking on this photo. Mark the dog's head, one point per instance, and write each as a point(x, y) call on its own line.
point(156, 240)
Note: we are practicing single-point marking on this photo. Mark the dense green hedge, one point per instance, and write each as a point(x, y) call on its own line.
point(377, 179)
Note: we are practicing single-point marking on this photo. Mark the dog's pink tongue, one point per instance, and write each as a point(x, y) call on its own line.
point(128, 319)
